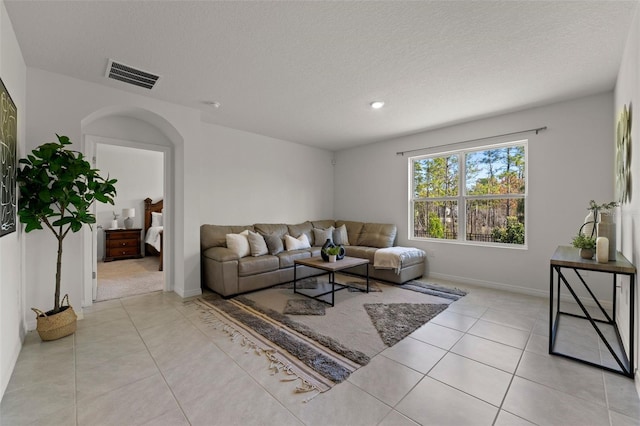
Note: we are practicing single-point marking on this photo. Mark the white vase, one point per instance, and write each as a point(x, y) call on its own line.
point(602, 250)
point(332, 258)
point(588, 225)
point(114, 224)
point(607, 229)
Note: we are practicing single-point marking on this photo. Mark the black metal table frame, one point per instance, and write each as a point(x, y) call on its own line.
point(627, 363)
point(332, 281)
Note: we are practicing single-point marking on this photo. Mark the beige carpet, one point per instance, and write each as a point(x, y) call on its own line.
point(122, 278)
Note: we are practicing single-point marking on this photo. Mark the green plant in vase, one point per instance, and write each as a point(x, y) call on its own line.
point(332, 252)
point(586, 244)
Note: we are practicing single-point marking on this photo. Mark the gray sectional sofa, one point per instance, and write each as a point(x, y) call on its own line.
point(228, 273)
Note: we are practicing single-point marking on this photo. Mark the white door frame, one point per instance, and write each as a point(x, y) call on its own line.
point(90, 246)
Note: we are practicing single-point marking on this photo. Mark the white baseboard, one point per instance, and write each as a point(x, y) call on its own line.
point(607, 304)
point(10, 366)
point(189, 293)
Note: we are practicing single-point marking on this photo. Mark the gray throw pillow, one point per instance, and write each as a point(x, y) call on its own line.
point(274, 244)
point(257, 244)
point(321, 235)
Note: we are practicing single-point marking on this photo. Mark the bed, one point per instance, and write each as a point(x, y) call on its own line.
point(153, 229)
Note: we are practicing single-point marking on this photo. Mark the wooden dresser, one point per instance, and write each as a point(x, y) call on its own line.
point(122, 244)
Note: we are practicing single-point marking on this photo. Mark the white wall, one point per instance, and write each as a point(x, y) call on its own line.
point(128, 129)
point(628, 91)
point(60, 104)
point(221, 176)
point(248, 178)
point(569, 164)
point(140, 174)
point(13, 74)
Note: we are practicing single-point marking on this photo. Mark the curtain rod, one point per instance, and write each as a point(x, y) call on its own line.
point(537, 130)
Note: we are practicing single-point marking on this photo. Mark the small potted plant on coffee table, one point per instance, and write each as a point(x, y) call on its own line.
point(332, 252)
point(586, 244)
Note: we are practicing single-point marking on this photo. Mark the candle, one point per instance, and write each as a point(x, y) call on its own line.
point(602, 250)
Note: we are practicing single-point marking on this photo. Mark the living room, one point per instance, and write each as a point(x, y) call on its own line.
point(222, 175)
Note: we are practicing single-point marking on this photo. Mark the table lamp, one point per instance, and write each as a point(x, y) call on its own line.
point(128, 214)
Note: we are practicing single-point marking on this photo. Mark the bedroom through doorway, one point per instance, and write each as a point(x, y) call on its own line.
point(129, 233)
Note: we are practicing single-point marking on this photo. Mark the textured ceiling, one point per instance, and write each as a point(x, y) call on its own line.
point(306, 71)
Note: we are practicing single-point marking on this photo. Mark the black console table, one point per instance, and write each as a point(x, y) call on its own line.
point(569, 258)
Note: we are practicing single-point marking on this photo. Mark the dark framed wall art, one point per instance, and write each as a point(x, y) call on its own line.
point(8, 162)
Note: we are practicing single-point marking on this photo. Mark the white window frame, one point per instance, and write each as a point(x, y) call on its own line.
point(462, 196)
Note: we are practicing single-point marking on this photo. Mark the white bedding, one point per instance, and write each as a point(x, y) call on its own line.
point(153, 237)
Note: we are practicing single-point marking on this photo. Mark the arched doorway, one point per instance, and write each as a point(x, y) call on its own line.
point(141, 129)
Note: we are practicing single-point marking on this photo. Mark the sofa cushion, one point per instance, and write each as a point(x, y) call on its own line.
point(379, 235)
point(220, 254)
point(340, 236)
point(257, 244)
point(288, 257)
point(315, 251)
point(257, 265)
point(353, 230)
point(361, 252)
point(216, 235)
point(323, 224)
point(322, 235)
point(302, 228)
point(302, 242)
point(274, 244)
point(279, 229)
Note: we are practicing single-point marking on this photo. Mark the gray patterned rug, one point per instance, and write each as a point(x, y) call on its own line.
point(396, 321)
point(304, 307)
point(329, 347)
point(433, 289)
point(323, 350)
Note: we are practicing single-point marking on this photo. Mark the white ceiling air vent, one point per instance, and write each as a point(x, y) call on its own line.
point(127, 74)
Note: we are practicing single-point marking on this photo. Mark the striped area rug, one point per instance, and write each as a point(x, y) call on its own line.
point(316, 366)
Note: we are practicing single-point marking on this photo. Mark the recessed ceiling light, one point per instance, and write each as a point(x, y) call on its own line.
point(212, 104)
point(377, 104)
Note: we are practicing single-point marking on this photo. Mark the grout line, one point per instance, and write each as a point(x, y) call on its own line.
point(75, 378)
point(248, 373)
point(513, 375)
point(158, 368)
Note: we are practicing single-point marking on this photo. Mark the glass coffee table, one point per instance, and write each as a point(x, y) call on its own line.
point(331, 268)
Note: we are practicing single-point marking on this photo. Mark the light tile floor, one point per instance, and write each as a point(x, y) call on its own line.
point(152, 360)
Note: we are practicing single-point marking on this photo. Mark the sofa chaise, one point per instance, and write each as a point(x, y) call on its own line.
point(240, 259)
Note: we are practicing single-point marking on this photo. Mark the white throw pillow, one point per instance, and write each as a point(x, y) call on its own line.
point(239, 243)
point(302, 242)
point(156, 219)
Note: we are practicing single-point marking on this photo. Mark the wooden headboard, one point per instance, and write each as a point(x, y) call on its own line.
point(148, 208)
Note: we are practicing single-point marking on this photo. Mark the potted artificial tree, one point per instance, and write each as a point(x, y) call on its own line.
point(57, 188)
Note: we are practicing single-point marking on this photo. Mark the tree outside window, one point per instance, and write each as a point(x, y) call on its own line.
point(492, 194)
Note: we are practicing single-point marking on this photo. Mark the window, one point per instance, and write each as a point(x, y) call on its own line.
point(474, 195)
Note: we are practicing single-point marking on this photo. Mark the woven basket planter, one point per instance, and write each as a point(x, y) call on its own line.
point(56, 326)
